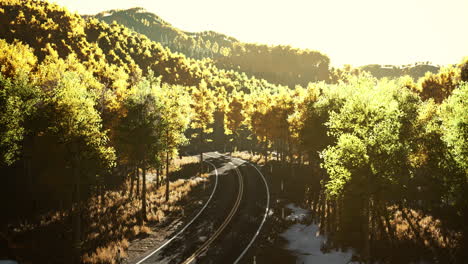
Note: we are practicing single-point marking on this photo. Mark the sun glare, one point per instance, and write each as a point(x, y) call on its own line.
point(349, 32)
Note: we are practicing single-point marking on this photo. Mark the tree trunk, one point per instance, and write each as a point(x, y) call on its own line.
point(314, 204)
point(373, 222)
point(143, 196)
point(277, 154)
point(27, 160)
point(201, 151)
point(138, 182)
point(283, 153)
point(340, 213)
point(365, 230)
point(76, 218)
point(329, 217)
point(157, 177)
point(167, 176)
point(382, 231)
point(391, 232)
point(322, 212)
point(127, 174)
point(101, 194)
point(132, 180)
point(292, 168)
point(336, 216)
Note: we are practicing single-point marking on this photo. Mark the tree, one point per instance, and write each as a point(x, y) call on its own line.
point(77, 124)
point(299, 119)
point(203, 108)
point(439, 86)
point(177, 115)
point(464, 70)
point(368, 163)
point(455, 125)
point(142, 129)
point(16, 59)
point(257, 106)
point(19, 98)
point(235, 116)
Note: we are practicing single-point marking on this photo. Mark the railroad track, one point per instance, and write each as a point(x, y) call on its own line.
point(226, 221)
point(235, 162)
point(267, 208)
point(189, 223)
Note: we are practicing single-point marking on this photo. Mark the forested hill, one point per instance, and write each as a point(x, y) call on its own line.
point(110, 51)
point(277, 64)
point(196, 45)
point(416, 70)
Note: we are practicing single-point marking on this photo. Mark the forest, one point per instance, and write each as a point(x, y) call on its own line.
point(90, 105)
point(277, 64)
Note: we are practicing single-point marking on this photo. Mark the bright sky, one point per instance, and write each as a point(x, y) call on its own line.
point(353, 32)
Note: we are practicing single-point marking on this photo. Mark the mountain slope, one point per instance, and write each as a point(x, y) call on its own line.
point(277, 64)
point(109, 48)
point(196, 45)
point(416, 71)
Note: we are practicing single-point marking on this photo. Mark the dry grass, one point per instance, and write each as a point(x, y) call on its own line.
point(114, 220)
point(179, 190)
point(178, 163)
point(107, 254)
point(44, 220)
point(259, 159)
point(418, 225)
point(145, 230)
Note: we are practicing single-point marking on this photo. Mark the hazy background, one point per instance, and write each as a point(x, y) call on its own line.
point(354, 32)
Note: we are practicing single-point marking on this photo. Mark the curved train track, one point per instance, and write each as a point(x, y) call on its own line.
point(189, 223)
point(225, 223)
point(200, 250)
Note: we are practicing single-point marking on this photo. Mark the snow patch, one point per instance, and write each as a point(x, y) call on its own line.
point(298, 213)
point(305, 242)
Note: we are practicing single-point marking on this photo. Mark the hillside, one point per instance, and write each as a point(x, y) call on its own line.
point(101, 45)
point(416, 70)
point(207, 44)
point(276, 64)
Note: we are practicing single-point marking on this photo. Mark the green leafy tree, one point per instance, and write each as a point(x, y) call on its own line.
point(77, 124)
point(369, 160)
point(177, 114)
point(19, 98)
point(235, 116)
point(455, 125)
point(142, 129)
point(18, 103)
point(203, 108)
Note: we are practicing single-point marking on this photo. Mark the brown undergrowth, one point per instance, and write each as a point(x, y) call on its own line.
point(259, 159)
point(109, 221)
point(121, 224)
point(411, 224)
